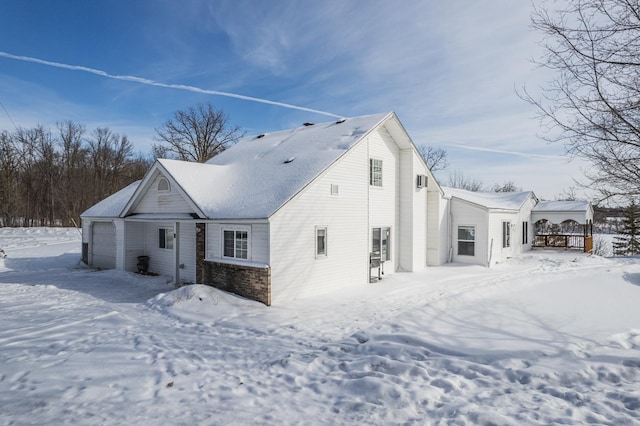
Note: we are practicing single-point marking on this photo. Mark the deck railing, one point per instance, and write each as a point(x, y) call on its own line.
point(567, 241)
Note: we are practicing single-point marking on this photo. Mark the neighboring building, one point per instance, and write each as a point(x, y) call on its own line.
point(303, 211)
point(280, 215)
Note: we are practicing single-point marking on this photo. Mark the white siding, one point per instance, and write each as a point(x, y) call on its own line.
point(384, 202)
point(187, 252)
point(259, 240)
point(413, 212)
point(154, 201)
point(134, 235)
point(161, 261)
point(465, 214)
point(439, 241)
point(86, 229)
point(295, 270)
point(497, 253)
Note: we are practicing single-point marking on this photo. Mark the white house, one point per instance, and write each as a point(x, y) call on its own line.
point(489, 227)
point(280, 215)
point(306, 210)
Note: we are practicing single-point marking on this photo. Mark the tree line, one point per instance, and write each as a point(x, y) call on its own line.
point(48, 177)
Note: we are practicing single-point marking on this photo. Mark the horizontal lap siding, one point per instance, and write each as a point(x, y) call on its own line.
point(134, 234)
point(259, 252)
point(161, 261)
point(499, 253)
point(296, 272)
point(413, 212)
point(155, 201)
point(384, 202)
point(438, 229)
point(467, 214)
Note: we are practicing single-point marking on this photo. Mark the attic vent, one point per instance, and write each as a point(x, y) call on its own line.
point(163, 185)
point(289, 160)
point(307, 124)
point(341, 120)
point(260, 136)
point(421, 181)
point(334, 189)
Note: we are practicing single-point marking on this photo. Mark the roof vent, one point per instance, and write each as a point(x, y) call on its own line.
point(289, 160)
point(260, 136)
point(307, 124)
point(341, 120)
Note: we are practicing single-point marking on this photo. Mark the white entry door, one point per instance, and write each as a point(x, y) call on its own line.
point(103, 240)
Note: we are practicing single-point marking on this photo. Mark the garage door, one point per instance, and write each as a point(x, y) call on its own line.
point(104, 245)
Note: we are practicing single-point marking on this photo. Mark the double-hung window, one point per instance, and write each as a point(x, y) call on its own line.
point(466, 240)
point(165, 238)
point(235, 243)
point(506, 234)
point(375, 172)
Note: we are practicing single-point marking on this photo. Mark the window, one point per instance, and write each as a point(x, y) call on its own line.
point(321, 241)
point(235, 243)
point(163, 184)
point(165, 238)
point(334, 189)
point(375, 172)
point(506, 234)
point(466, 240)
point(380, 243)
point(525, 232)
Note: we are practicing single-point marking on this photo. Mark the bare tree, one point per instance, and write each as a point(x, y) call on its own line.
point(508, 186)
point(591, 105)
point(9, 176)
point(458, 180)
point(435, 158)
point(196, 134)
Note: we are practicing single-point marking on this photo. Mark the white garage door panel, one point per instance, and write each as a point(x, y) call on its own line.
point(104, 245)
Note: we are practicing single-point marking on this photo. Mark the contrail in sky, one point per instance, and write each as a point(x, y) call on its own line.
point(500, 151)
point(158, 84)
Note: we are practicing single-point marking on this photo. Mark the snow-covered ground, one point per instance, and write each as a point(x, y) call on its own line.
point(545, 338)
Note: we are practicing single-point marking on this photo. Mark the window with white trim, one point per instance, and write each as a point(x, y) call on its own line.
point(165, 238)
point(525, 232)
point(235, 243)
point(321, 241)
point(506, 234)
point(375, 172)
point(466, 240)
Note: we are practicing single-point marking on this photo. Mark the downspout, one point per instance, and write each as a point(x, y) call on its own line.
point(368, 238)
point(450, 229)
point(490, 253)
point(176, 246)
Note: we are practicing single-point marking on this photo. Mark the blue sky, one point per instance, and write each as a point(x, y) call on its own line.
point(448, 69)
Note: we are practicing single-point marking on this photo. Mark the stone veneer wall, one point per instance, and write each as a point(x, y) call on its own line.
point(247, 281)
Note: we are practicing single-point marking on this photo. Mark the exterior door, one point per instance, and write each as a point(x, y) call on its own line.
point(103, 243)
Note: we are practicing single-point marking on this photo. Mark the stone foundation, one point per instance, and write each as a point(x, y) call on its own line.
point(246, 281)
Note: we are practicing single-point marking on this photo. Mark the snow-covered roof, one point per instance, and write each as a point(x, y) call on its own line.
point(491, 200)
point(562, 206)
point(256, 176)
point(113, 204)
